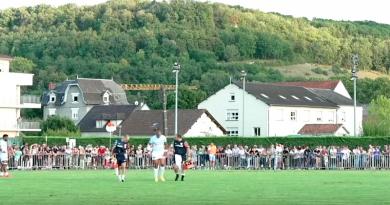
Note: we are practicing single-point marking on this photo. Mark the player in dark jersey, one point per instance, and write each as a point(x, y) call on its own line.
point(181, 150)
point(119, 152)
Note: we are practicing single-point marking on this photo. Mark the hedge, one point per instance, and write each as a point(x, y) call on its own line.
point(265, 141)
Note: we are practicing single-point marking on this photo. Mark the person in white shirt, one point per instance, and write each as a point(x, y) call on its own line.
point(158, 144)
point(4, 155)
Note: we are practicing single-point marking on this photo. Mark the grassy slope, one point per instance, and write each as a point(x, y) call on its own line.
point(201, 187)
point(305, 70)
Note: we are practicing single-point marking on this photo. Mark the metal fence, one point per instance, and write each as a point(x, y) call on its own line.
point(223, 161)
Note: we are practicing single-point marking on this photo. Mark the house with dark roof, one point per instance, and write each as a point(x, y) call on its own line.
point(269, 109)
point(191, 123)
point(335, 85)
point(74, 98)
point(95, 121)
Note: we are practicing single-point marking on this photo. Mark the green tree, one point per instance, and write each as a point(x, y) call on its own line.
point(22, 65)
point(59, 126)
point(378, 122)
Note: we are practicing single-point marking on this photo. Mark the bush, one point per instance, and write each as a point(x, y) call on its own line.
point(222, 141)
point(320, 71)
point(59, 126)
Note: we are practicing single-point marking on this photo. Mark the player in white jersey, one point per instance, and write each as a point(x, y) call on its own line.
point(4, 155)
point(158, 144)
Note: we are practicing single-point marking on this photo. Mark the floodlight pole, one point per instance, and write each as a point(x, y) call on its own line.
point(176, 70)
point(355, 60)
point(243, 76)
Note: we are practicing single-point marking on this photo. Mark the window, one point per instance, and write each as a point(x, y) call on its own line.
point(52, 98)
point(232, 115)
point(306, 115)
point(100, 123)
point(232, 97)
point(330, 117)
point(232, 131)
point(106, 98)
point(295, 97)
point(52, 111)
point(257, 131)
point(75, 113)
point(264, 95)
point(307, 98)
point(293, 115)
point(281, 96)
point(279, 115)
point(319, 116)
point(75, 97)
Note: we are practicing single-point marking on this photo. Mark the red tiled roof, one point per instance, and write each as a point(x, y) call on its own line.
point(330, 84)
point(315, 129)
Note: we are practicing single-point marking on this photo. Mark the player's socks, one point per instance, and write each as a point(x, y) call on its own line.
point(177, 177)
point(156, 173)
point(161, 173)
point(123, 178)
point(116, 172)
point(119, 177)
point(182, 177)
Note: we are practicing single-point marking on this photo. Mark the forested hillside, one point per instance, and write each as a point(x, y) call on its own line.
point(137, 41)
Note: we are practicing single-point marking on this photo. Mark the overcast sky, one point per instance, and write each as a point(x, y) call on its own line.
point(374, 10)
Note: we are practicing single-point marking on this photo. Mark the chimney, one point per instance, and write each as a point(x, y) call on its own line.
point(52, 86)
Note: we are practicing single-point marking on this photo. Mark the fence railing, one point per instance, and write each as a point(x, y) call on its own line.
point(222, 161)
point(34, 99)
point(29, 124)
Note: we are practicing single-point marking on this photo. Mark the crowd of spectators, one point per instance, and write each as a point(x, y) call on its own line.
point(235, 156)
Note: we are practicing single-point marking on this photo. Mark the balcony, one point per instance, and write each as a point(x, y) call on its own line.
point(29, 126)
point(30, 101)
point(21, 126)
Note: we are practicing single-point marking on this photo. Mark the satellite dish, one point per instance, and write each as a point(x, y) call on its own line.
point(136, 103)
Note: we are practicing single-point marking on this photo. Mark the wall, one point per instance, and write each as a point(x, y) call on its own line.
point(340, 89)
point(204, 127)
point(348, 121)
point(256, 112)
point(281, 123)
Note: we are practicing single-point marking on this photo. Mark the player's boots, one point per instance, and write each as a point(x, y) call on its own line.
point(162, 179)
point(177, 177)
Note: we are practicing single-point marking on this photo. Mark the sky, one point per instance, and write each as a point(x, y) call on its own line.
point(373, 10)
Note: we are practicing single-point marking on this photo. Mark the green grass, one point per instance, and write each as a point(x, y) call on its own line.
point(200, 187)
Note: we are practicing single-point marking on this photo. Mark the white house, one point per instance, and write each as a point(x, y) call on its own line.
point(275, 110)
point(11, 102)
point(191, 123)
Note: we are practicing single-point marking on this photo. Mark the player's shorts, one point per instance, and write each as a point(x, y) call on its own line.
point(157, 155)
point(120, 159)
point(179, 159)
point(3, 158)
point(212, 157)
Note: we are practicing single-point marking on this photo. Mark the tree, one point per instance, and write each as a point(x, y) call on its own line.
point(22, 65)
point(378, 122)
point(59, 126)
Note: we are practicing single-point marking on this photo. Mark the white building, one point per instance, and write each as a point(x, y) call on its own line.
point(191, 123)
point(278, 110)
point(11, 102)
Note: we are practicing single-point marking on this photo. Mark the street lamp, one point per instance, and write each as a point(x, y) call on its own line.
point(355, 61)
point(243, 76)
point(176, 70)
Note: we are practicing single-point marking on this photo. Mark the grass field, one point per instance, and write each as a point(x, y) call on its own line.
point(200, 187)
